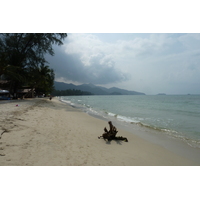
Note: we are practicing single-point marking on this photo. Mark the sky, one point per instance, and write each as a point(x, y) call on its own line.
point(150, 63)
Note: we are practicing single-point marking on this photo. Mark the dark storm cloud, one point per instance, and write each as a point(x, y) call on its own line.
point(161, 61)
point(70, 68)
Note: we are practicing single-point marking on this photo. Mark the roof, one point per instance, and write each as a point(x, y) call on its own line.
point(4, 91)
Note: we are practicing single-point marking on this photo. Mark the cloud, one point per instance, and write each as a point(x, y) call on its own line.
point(150, 63)
point(90, 50)
point(83, 62)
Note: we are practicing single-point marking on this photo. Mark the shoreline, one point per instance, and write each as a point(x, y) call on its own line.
point(40, 132)
point(151, 135)
point(110, 113)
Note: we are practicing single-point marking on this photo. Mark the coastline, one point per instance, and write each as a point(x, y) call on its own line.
point(40, 132)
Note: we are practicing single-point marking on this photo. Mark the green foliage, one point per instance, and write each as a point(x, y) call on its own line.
point(69, 92)
point(22, 59)
point(28, 49)
point(41, 78)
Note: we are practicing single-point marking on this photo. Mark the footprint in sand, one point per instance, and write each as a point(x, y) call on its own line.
point(2, 154)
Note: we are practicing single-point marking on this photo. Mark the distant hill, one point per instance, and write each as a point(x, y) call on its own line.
point(96, 90)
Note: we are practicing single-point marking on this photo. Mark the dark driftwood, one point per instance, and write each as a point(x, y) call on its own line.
point(111, 134)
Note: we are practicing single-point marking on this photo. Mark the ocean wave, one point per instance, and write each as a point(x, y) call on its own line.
point(121, 117)
point(173, 134)
point(127, 119)
point(160, 120)
point(168, 132)
point(147, 126)
point(65, 101)
point(111, 114)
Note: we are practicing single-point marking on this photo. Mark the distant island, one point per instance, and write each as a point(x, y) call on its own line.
point(89, 89)
point(161, 94)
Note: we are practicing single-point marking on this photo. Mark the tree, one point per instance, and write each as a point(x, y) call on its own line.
point(41, 79)
point(21, 51)
point(14, 75)
point(27, 49)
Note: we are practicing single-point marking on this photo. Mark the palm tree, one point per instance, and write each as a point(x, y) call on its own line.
point(40, 79)
point(14, 76)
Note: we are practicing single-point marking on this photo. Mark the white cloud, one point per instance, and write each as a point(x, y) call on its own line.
point(149, 63)
point(88, 47)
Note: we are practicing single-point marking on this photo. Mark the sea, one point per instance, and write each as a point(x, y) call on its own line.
point(176, 116)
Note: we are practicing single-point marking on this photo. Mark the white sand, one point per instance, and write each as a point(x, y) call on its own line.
point(40, 132)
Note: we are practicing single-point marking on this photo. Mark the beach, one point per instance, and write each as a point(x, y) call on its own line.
point(43, 132)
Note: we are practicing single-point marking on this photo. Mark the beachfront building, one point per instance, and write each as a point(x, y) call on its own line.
point(4, 95)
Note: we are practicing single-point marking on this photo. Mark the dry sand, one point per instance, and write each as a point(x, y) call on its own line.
point(40, 132)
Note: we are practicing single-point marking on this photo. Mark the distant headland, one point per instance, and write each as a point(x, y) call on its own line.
point(94, 90)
